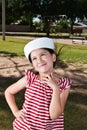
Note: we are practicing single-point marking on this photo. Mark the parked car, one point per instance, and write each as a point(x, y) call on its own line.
point(79, 25)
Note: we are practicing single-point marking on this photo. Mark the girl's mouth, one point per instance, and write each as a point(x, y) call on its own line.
point(41, 65)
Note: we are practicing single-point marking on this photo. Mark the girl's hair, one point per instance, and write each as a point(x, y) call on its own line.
point(49, 50)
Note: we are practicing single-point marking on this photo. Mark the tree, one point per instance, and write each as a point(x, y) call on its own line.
point(72, 9)
point(0, 11)
point(3, 19)
point(49, 9)
point(22, 9)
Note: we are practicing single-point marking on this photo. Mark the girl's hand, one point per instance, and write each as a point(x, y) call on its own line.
point(19, 115)
point(49, 80)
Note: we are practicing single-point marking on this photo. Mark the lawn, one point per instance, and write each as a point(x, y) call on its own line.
point(69, 53)
point(76, 107)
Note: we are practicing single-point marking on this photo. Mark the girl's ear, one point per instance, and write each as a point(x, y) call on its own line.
point(54, 57)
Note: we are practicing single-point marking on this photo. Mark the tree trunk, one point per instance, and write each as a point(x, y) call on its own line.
point(72, 23)
point(47, 27)
point(3, 19)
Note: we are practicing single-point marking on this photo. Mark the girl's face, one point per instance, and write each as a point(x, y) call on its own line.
point(42, 60)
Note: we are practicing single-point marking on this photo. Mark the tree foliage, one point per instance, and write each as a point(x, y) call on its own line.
point(0, 12)
point(25, 10)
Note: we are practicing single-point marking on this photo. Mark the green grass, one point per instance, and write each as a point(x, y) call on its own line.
point(6, 116)
point(13, 46)
point(75, 111)
point(73, 53)
point(76, 107)
point(69, 53)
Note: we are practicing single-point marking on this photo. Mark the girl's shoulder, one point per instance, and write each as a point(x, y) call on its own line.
point(63, 82)
point(30, 76)
point(30, 72)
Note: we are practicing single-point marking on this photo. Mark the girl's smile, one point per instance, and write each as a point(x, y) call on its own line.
point(41, 65)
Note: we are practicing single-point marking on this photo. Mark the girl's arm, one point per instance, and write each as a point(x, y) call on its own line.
point(9, 95)
point(58, 100)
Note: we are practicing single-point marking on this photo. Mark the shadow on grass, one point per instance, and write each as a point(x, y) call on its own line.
point(76, 112)
point(61, 64)
point(6, 116)
point(78, 97)
point(5, 53)
point(79, 78)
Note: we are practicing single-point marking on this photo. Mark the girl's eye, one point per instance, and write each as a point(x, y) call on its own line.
point(33, 59)
point(42, 54)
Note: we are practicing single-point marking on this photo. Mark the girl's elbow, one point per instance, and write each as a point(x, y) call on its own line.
point(56, 115)
point(6, 92)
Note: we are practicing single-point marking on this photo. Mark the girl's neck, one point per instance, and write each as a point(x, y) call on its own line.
point(41, 75)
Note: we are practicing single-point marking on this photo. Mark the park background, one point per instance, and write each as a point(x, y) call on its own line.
point(58, 19)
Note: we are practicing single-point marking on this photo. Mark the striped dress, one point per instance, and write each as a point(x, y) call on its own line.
point(36, 105)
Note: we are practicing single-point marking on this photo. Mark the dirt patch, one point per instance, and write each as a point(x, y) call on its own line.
point(13, 67)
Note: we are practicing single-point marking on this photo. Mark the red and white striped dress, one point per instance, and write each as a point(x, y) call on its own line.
point(36, 105)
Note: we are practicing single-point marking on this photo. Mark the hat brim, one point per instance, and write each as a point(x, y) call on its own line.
point(37, 44)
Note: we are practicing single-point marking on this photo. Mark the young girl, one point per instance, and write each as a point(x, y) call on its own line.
point(45, 95)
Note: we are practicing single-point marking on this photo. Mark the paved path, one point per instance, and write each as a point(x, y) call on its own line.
point(67, 41)
point(59, 40)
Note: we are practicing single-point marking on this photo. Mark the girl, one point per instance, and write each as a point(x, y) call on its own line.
point(46, 93)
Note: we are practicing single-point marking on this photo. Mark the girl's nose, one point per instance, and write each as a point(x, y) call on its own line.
point(39, 59)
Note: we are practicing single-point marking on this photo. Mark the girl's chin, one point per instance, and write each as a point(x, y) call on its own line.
point(42, 71)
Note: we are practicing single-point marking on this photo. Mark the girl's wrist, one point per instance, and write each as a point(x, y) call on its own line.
point(14, 112)
point(56, 88)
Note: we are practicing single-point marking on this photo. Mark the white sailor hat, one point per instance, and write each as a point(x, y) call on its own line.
point(38, 43)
